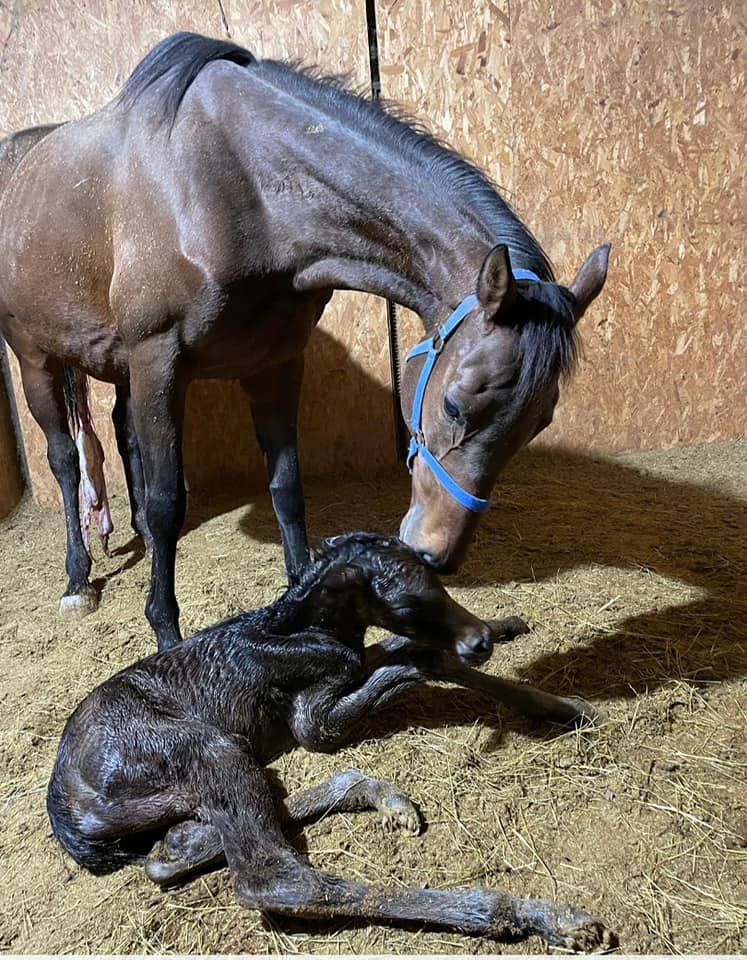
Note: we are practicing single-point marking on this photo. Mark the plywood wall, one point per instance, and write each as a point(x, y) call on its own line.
point(629, 125)
point(601, 120)
point(621, 122)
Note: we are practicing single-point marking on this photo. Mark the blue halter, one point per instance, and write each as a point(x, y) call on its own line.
point(432, 347)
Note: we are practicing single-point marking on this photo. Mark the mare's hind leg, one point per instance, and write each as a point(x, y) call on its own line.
point(129, 451)
point(273, 397)
point(43, 387)
point(191, 847)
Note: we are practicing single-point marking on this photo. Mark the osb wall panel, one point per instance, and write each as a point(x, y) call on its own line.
point(64, 59)
point(11, 481)
point(609, 121)
point(629, 126)
point(448, 64)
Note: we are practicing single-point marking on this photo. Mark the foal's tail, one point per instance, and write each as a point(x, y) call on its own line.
point(94, 499)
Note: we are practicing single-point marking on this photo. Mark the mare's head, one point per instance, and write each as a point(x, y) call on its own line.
point(363, 579)
point(492, 388)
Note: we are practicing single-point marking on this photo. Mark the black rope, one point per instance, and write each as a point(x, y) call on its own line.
point(400, 432)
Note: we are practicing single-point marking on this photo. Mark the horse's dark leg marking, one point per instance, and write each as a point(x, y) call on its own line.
point(191, 847)
point(129, 451)
point(158, 410)
point(274, 403)
point(42, 386)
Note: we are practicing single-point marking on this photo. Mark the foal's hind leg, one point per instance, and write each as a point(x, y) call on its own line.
point(269, 875)
point(129, 451)
point(191, 847)
point(349, 792)
point(42, 385)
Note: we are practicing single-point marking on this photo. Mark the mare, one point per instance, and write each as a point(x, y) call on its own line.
point(197, 225)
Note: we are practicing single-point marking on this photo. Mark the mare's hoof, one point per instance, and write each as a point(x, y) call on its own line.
point(399, 813)
point(79, 604)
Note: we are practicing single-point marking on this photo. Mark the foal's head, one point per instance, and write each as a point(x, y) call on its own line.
point(363, 579)
point(493, 387)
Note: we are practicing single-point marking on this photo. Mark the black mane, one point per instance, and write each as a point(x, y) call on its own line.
point(182, 55)
point(549, 344)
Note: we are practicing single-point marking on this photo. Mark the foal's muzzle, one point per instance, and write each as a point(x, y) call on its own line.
point(475, 650)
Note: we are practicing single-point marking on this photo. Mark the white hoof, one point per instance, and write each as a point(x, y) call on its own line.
point(79, 605)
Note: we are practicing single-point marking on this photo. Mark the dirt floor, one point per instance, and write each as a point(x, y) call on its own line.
point(633, 574)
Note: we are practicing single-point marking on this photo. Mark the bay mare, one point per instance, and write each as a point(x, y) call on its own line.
point(197, 225)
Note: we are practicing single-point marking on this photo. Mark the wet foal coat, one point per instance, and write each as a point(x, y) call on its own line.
point(173, 746)
point(197, 225)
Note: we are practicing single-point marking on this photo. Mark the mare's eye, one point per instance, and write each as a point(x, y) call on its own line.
point(450, 408)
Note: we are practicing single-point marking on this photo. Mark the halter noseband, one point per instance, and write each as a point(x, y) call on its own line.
point(432, 347)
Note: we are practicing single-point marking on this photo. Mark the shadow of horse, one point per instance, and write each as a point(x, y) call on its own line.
point(558, 511)
point(555, 511)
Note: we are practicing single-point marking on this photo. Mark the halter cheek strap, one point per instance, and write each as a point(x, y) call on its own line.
point(432, 348)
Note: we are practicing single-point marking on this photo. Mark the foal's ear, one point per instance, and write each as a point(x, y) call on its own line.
point(496, 289)
point(588, 282)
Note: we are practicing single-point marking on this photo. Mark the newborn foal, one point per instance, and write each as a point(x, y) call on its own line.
point(173, 746)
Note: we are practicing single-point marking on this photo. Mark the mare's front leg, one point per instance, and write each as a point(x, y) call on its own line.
point(158, 388)
point(274, 396)
point(43, 387)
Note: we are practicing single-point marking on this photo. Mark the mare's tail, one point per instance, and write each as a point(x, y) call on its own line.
point(94, 500)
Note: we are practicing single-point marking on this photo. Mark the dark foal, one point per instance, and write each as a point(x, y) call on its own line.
point(173, 746)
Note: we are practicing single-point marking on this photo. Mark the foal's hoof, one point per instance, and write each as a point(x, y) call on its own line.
point(572, 930)
point(586, 714)
point(78, 605)
point(399, 813)
point(501, 631)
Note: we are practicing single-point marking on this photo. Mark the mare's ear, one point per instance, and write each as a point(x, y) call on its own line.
point(588, 282)
point(346, 576)
point(496, 290)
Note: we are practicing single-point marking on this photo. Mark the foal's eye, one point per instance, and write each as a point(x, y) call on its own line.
point(450, 408)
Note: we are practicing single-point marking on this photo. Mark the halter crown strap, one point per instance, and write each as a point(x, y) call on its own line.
point(520, 274)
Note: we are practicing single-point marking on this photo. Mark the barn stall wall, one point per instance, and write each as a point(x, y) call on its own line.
point(601, 121)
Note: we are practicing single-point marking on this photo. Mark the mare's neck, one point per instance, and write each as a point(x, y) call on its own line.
point(426, 258)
